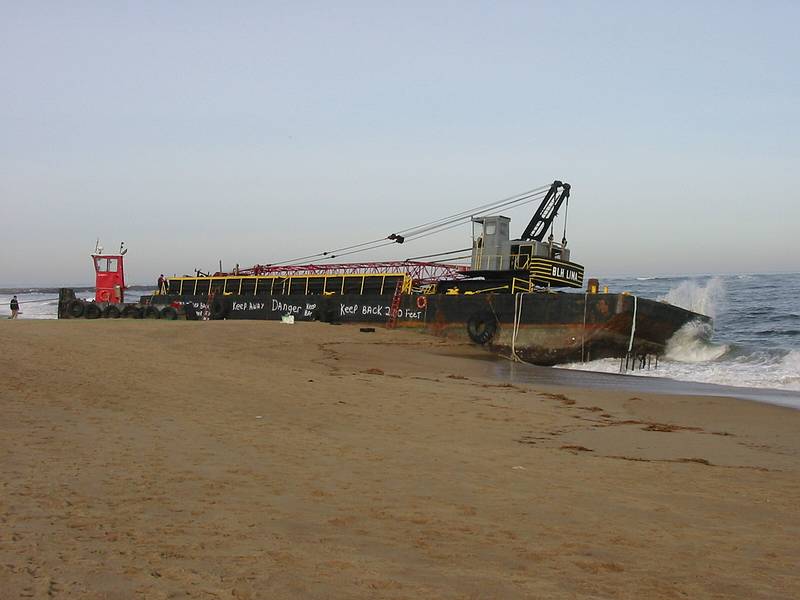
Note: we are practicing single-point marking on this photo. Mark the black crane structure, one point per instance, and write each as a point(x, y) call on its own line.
point(547, 211)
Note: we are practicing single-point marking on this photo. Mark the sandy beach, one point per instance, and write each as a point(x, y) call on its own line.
point(250, 459)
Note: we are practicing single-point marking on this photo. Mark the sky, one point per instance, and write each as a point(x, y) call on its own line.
point(256, 132)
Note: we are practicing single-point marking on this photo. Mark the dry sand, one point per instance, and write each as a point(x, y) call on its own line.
point(259, 460)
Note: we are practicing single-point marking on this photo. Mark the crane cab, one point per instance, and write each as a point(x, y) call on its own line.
point(490, 243)
point(530, 259)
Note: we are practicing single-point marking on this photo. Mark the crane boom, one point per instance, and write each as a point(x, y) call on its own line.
point(547, 211)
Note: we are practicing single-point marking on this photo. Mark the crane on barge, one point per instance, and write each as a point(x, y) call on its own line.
point(424, 273)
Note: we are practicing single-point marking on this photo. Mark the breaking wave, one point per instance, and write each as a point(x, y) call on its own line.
point(692, 344)
point(708, 299)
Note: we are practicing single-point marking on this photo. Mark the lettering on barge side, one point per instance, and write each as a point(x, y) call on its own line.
point(202, 309)
point(240, 306)
point(565, 273)
point(306, 309)
point(377, 310)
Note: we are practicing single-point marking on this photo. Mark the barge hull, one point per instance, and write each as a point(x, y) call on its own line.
point(541, 328)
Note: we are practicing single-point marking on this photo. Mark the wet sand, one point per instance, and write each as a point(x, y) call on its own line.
point(148, 459)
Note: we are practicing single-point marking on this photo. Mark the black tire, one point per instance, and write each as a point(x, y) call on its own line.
point(481, 327)
point(220, 308)
point(131, 312)
point(112, 311)
point(169, 313)
point(76, 308)
point(92, 311)
point(151, 312)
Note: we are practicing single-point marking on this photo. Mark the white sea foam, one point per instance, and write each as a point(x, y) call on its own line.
point(708, 299)
point(790, 370)
point(691, 344)
point(749, 371)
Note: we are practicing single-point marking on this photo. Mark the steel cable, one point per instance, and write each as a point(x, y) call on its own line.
point(425, 229)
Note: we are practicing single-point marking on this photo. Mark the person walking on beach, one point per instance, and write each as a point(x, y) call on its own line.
point(14, 308)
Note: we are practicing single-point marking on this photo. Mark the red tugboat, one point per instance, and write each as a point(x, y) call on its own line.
point(507, 298)
point(109, 296)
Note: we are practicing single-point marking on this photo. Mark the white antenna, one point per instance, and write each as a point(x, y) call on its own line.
point(97, 249)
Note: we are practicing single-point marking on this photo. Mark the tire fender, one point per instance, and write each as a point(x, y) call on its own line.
point(131, 312)
point(92, 311)
point(482, 327)
point(169, 313)
point(76, 308)
point(112, 312)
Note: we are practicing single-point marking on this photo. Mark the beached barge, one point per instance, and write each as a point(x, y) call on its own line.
point(508, 298)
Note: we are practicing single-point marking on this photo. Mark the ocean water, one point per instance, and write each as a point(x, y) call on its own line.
point(755, 342)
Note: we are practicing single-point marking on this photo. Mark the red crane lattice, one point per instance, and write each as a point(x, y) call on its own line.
point(420, 272)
